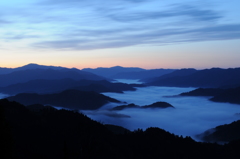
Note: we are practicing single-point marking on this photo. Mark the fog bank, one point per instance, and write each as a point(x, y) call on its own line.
point(3, 95)
point(193, 115)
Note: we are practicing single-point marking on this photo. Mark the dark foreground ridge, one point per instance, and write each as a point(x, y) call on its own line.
point(154, 105)
point(222, 133)
point(47, 133)
point(71, 99)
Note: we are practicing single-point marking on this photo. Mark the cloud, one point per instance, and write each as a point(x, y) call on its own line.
point(52, 2)
point(219, 32)
point(2, 22)
point(98, 24)
point(99, 39)
point(106, 113)
point(61, 44)
point(194, 13)
point(191, 116)
point(20, 37)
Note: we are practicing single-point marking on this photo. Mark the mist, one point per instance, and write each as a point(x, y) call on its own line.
point(3, 95)
point(128, 81)
point(191, 116)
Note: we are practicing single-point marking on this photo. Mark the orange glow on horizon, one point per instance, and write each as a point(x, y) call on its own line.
point(108, 65)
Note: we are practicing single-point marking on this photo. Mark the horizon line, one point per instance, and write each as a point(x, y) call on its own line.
point(118, 66)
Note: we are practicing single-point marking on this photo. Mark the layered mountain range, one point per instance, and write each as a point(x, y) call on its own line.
point(231, 95)
point(119, 72)
point(70, 99)
point(80, 89)
point(50, 133)
point(207, 78)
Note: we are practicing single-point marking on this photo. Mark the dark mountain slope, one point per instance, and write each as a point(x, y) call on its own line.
point(72, 99)
point(119, 72)
point(230, 95)
point(50, 74)
point(40, 86)
point(28, 67)
point(4, 70)
point(214, 77)
point(142, 74)
point(43, 86)
point(36, 66)
point(117, 129)
point(154, 105)
point(177, 73)
point(222, 133)
point(203, 92)
point(49, 133)
point(108, 72)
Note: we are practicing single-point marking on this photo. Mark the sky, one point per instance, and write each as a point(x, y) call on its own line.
point(131, 33)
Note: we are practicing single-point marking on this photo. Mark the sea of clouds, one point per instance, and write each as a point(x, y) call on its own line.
point(191, 116)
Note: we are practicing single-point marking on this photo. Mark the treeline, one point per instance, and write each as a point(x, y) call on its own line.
point(44, 132)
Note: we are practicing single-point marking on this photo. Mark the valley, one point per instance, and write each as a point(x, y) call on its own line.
point(126, 105)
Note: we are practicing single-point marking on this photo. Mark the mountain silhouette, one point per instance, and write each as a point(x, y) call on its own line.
point(203, 92)
point(231, 95)
point(154, 105)
point(48, 74)
point(28, 67)
point(144, 74)
point(50, 133)
point(43, 86)
point(222, 133)
point(177, 73)
point(211, 78)
point(37, 66)
point(108, 72)
point(71, 99)
point(119, 72)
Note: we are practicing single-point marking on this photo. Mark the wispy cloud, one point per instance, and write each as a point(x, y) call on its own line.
point(91, 24)
point(194, 13)
point(2, 22)
point(20, 37)
point(101, 39)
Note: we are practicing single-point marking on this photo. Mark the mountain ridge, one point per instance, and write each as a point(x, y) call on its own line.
point(32, 74)
point(50, 133)
point(70, 99)
point(43, 86)
point(207, 78)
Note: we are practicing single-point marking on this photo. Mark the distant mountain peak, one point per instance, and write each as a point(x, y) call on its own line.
point(117, 67)
point(37, 66)
point(31, 65)
point(121, 67)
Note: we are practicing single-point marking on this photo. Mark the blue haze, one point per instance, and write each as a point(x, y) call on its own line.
point(191, 116)
point(3, 95)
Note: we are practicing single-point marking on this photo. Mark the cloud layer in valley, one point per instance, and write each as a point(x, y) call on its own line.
point(191, 116)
